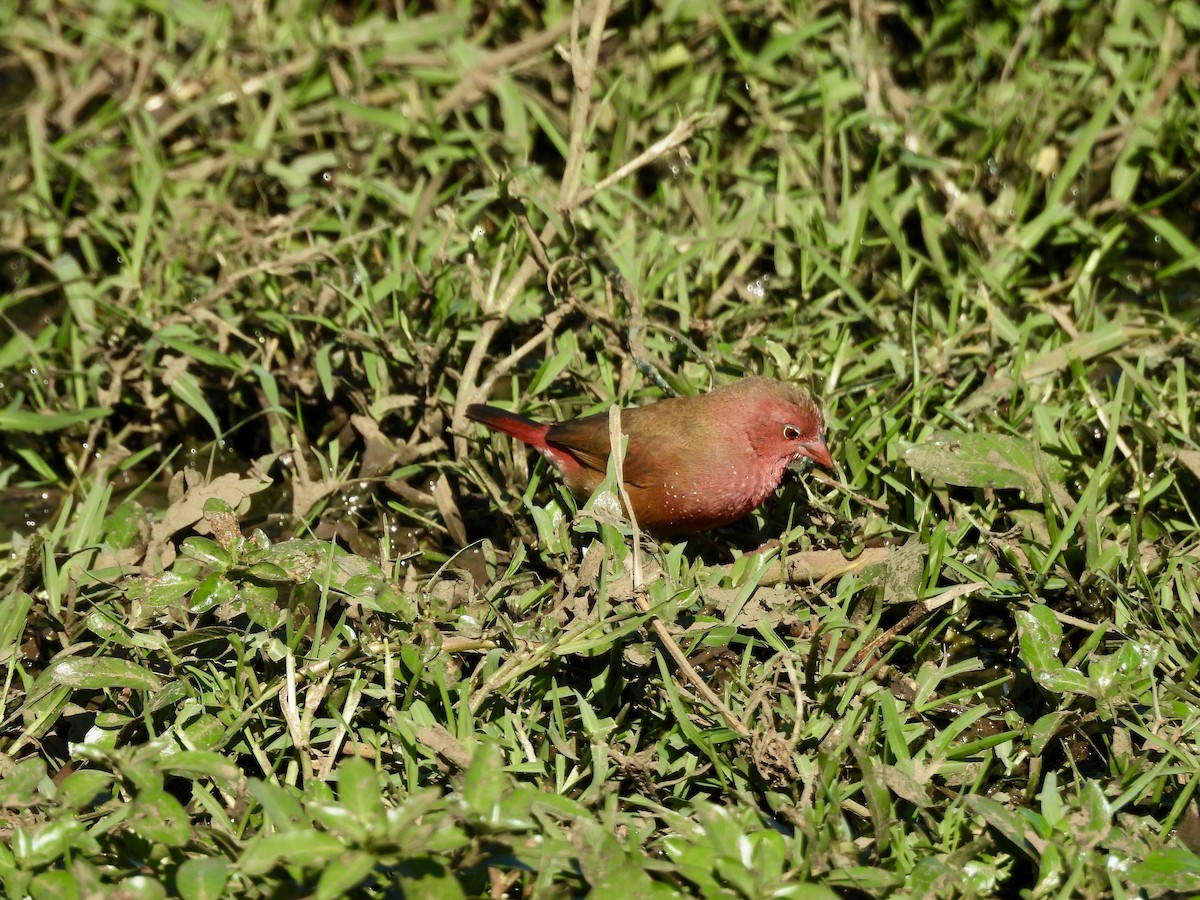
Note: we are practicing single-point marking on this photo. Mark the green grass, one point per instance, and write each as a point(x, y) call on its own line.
point(276, 620)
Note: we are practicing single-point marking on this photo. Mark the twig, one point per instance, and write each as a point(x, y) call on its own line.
point(470, 388)
point(502, 368)
point(474, 82)
point(583, 71)
point(677, 136)
point(1032, 21)
point(290, 261)
point(922, 609)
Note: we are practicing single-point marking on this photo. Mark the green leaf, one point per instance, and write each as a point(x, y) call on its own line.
point(266, 571)
point(26, 422)
point(43, 845)
point(19, 788)
point(1018, 830)
point(203, 763)
point(207, 551)
point(81, 788)
point(164, 591)
point(202, 878)
point(325, 370)
point(1091, 824)
point(1045, 729)
point(102, 672)
point(282, 809)
point(57, 884)
point(309, 849)
point(359, 790)
point(339, 880)
point(206, 635)
point(430, 879)
point(1169, 870)
point(207, 732)
point(80, 291)
point(14, 614)
point(159, 818)
point(983, 461)
point(215, 590)
point(126, 525)
point(609, 870)
point(186, 389)
point(484, 783)
point(217, 506)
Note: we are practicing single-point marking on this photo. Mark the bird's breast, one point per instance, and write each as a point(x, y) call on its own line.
point(696, 498)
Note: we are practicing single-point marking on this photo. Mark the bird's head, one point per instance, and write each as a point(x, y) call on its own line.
point(786, 424)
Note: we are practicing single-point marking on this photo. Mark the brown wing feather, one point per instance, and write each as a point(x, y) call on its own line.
point(648, 459)
point(585, 439)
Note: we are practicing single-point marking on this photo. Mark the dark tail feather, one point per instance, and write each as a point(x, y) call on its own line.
point(523, 429)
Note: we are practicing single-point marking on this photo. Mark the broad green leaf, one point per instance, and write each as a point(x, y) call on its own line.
point(310, 849)
point(158, 817)
point(359, 790)
point(202, 878)
point(983, 461)
point(103, 672)
point(82, 787)
point(339, 880)
point(215, 590)
point(42, 845)
point(19, 788)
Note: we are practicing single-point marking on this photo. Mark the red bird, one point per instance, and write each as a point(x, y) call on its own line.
point(692, 463)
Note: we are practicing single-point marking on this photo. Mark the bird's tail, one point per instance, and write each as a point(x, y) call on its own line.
point(523, 429)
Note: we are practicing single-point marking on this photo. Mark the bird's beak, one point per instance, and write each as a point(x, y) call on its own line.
point(818, 453)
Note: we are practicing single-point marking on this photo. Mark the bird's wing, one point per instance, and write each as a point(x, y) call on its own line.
point(587, 440)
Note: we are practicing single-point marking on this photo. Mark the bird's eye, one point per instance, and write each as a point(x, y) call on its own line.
point(791, 432)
